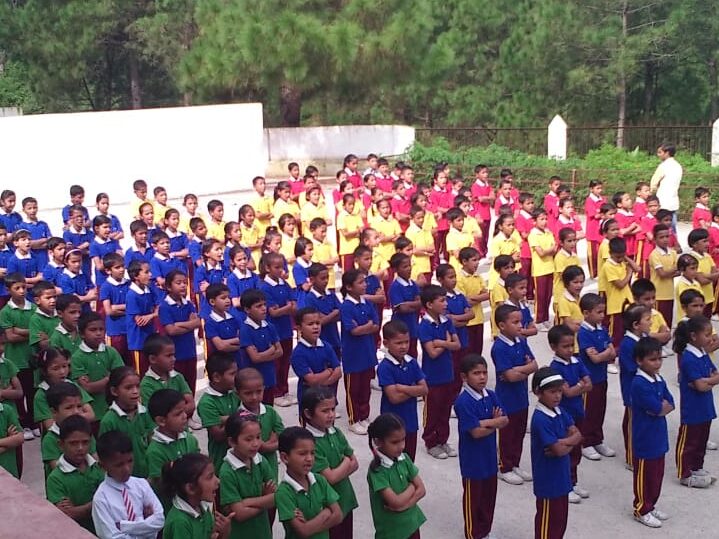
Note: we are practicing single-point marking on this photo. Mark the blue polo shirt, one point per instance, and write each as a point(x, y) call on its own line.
point(696, 406)
point(597, 338)
point(172, 311)
point(227, 259)
point(261, 336)
point(526, 311)
point(326, 303)
point(301, 275)
point(161, 266)
point(406, 372)
point(100, 248)
point(52, 271)
point(225, 327)
point(552, 478)
point(115, 225)
point(308, 359)
point(178, 240)
point(457, 304)
point(74, 283)
point(627, 366)
point(438, 370)
point(359, 353)
point(278, 294)
point(133, 254)
point(650, 439)
point(507, 354)
point(477, 456)
point(138, 302)
point(116, 292)
point(373, 283)
point(211, 275)
point(194, 247)
point(26, 266)
point(401, 291)
point(238, 282)
point(66, 213)
point(5, 255)
point(38, 230)
point(76, 238)
point(572, 371)
point(12, 221)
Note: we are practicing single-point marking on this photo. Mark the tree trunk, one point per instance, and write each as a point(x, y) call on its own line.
point(648, 90)
point(714, 89)
point(290, 105)
point(135, 88)
point(622, 83)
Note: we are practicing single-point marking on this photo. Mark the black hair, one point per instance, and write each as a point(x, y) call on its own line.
point(556, 333)
point(76, 190)
point(538, 212)
point(595, 183)
point(393, 328)
point(195, 223)
point(53, 243)
point(617, 246)
point(696, 235)
point(663, 214)
point(45, 357)
point(304, 311)
point(565, 232)
point(641, 287)
point(349, 277)
point(683, 332)
point(617, 198)
point(397, 259)
point(669, 148)
point(15, 278)
point(170, 277)
point(87, 319)
point(184, 471)
point(591, 301)
point(525, 197)
point(158, 235)
point(454, 214)
point(137, 226)
point(100, 220)
point(513, 279)
point(502, 261)
point(213, 204)
point(134, 269)
point(500, 221)
point(301, 246)
point(502, 312)
point(74, 423)
point(400, 243)
point(139, 184)
point(361, 251)
point(155, 343)
point(63, 301)
point(289, 437)
point(315, 269)
point(251, 297)
point(430, 293)
point(237, 421)
point(57, 393)
point(646, 346)
point(470, 361)
point(683, 262)
point(113, 442)
point(41, 287)
point(541, 375)
point(443, 270)
point(689, 295)
point(117, 376)
point(163, 401)
point(380, 429)
point(570, 273)
point(245, 375)
point(214, 290)
point(633, 314)
point(317, 222)
point(111, 260)
point(219, 363)
point(606, 224)
point(660, 228)
point(313, 396)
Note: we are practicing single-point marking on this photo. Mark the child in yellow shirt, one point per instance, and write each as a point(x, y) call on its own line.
point(610, 230)
point(423, 244)
point(688, 267)
point(644, 293)
point(662, 270)
point(313, 209)
point(498, 295)
point(543, 247)
point(216, 225)
point(707, 273)
point(568, 311)
point(471, 284)
point(566, 256)
point(324, 252)
point(387, 228)
point(287, 229)
point(504, 242)
point(251, 238)
point(349, 227)
point(284, 204)
point(262, 204)
point(471, 226)
point(456, 238)
point(618, 272)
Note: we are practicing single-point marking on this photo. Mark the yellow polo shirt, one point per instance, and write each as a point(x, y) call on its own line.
point(287, 249)
point(251, 236)
point(185, 221)
point(497, 296)
point(667, 261)
point(562, 260)
point(280, 207)
point(262, 204)
point(135, 206)
point(658, 322)
point(683, 284)
point(217, 230)
point(348, 222)
point(541, 265)
point(705, 266)
point(471, 226)
point(472, 285)
point(602, 256)
point(568, 307)
point(457, 240)
point(421, 239)
point(323, 252)
point(389, 228)
point(379, 263)
point(309, 212)
point(430, 222)
point(502, 245)
point(616, 297)
point(159, 210)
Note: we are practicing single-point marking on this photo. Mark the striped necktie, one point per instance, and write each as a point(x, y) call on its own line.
point(128, 505)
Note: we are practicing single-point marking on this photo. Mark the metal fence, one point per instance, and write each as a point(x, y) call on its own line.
point(532, 140)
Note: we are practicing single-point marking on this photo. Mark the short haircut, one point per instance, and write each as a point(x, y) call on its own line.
point(315, 269)
point(219, 363)
point(163, 401)
point(401, 243)
point(28, 200)
point(159, 235)
point(646, 346)
point(290, 436)
point(466, 253)
point(245, 375)
point(20, 234)
point(570, 273)
point(42, 287)
point(304, 311)
point(57, 393)
point(538, 213)
point(15, 278)
point(361, 251)
point(502, 312)
point(53, 243)
point(110, 260)
point(443, 270)
point(76, 190)
point(195, 223)
point(591, 301)
point(100, 220)
point(393, 328)
point(134, 269)
point(74, 423)
point(696, 235)
point(556, 333)
point(669, 148)
point(215, 289)
point(159, 189)
point(397, 260)
point(633, 314)
point(63, 301)
point(617, 246)
point(660, 228)
point(683, 262)
point(470, 361)
point(454, 213)
point(155, 343)
point(513, 279)
point(139, 184)
point(251, 297)
point(502, 261)
point(113, 442)
point(137, 226)
point(565, 233)
point(87, 319)
point(688, 296)
point(664, 214)
point(641, 287)
point(430, 293)
point(317, 222)
point(213, 204)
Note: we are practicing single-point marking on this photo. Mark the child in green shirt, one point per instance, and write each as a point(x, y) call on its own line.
point(247, 486)
point(66, 336)
point(160, 353)
point(10, 388)
point(72, 484)
point(394, 483)
point(217, 403)
point(44, 321)
point(192, 483)
point(10, 439)
point(127, 415)
point(306, 503)
point(334, 458)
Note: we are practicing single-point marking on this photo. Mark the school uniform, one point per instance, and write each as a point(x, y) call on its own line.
point(595, 402)
point(705, 266)
point(524, 223)
point(183, 520)
point(262, 336)
point(514, 396)
point(701, 213)
point(401, 291)
point(78, 486)
point(421, 239)
point(649, 438)
point(99, 248)
point(19, 316)
point(138, 428)
point(120, 508)
point(542, 271)
point(116, 325)
point(473, 285)
point(665, 260)
point(161, 266)
point(75, 283)
point(439, 373)
point(457, 304)
point(388, 227)
point(139, 302)
point(497, 296)
point(594, 236)
point(164, 449)
point(41, 322)
point(5, 254)
point(291, 496)
point(348, 222)
point(38, 230)
point(133, 253)
point(562, 260)
point(552, 477)
point(64, 339)
point(310, 358)
point(152, 382)
point(550, 204)
point(75, 237)
point(627, 371)
point(482, 211)
point(211, 274)
point(681, 285)
point(194, 248)
point(617, 298)
point(225, 326)
point(696, 409)
point(566, 222)
point(456, 241)
point(568, 307)
point(301, 277)
point(602, 257)
point(405, 371)
point(502, 245)
point(50, 448)
point(12, 221)
point(270, 423)
point(526, 311)
point(211, 407)
point(278, 294)
point(359, 356)
point(325, 304)
point(26, 265)
point(11, 458)
point(477, 460)
point(170, 312)
point(625, 219)
point(96, 365)
point(239, 282)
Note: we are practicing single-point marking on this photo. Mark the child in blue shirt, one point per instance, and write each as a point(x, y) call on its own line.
point(56, 248)
point(8, 217)
point(179, 244)
point(328, 305)
point(78, 237)
point(554, 435)
point(72, 280)
point(139, 250)
point(596, 351)
point(304, 250)
point(404, 297)
point(101, 245)
point(240, 279)
point(209, 272)
point(259, 343)
point(479, 417)
point(402, 381)
point(39, 231)
point(162, 262)
point(438, 339)
point(697, 378)
point(5, 254)
point(102, 203)
point(281, 306)
point(113, 295)
point(23, 262)
point(651, 402)
point(513, 362)
point(578, 383)
point(222, 330)
point(77, 197)
point(140, 313)
point(516, 285)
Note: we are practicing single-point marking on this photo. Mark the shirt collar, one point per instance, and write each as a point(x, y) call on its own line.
point(115, 282)
point(122, 413)
point(500, 282)
point(631, 336)
point(99, 240)
point(551, 412)
point(152, 374)
point(475, 394)
point(317, 433)
point(213, 392)
point(66, 467)
point(85, 348)
point(165, 439)
point(318, 344)
point(54, 264)
point(564, 361)
point(172, 302)
point(240, 275)
point(217, 317)
point(624, 212)
point(185, 507)
point(236, 463)
point(683, 279)
point(263, 409)
point(136, 288)
point(70, 273)
point(480, 182)
point(296, 486)
point(21, 256)
point(396, 361)
point(316, 293)
point(442, 319)
point(595, 198)
point(26, 307)
point(696, 351)
point(525, 214)
point(387, 462)
point(171, 234)
point(40, 312)
point(55, 429)
point(162, 257)
point(648, 377)
point(304, 263)
point(568, 296)
point(507, 340)
point(355, 301)
point(270, 281)
point(255, 325)
point(701, 206)
point(401, 281)
point(590, 327)
point(697, 255)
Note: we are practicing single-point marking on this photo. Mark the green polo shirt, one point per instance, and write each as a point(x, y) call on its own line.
point(62, 338)
point(184, 522)
point(96, 365)
point(41, 409)
point(163, 449)
point(8, 416)
point(152, 383)
point(331, 448)
point(78, 486)
point(50, 448)
point(138, 427)
point(290, 496)
point(395, 475)
point(270, 421)
point(239, 482)
point(212, 406)
point(41, 322)
point(12, 316)
point(8, 371)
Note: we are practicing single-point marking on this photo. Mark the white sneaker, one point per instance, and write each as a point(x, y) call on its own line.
point(579, 491)
point(364, 423)
point(649, 520)
point(703, 472)
point(696, 481)
point(612, 369)
point(574, 497)
point(629, 467)
point(526, 476)
point(604, 450)
point(437, 452)
point(375, 385)
point(451, 451)
point(591, 453)
point(291, 399)
point(712, 446)
point(36, 433)
point(659, 515)
point(282, 402)
point(666, 351)
point(453, 414)
point(27, 434)
point(359, 429)
point(511, 478)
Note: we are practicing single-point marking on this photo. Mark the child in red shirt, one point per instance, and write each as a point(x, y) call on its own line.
point(506, 174)
point(349, 164)
point(642, 192)
point(628, 225)
point(551, 201)
point(566, 219)
point(384, 180)
point(441, 201)
point(524, 223)
point(504, 197)
point(645, 237)
point(592, 206)
point(482, 200)
point(400, 205)
point(407, 177)
point(701, 216)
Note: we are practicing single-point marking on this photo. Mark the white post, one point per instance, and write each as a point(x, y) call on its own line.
point(715, 144)
point(557, 139)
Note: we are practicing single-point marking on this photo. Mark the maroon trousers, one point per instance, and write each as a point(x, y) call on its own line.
point(476, 338)
point(25, 405)
point(440, 245)
point(691, 446)
point(616, 329)
point(119, 343)
point(510, 441)
point(437, 408)
point(627, 434)
point(592, 258)
point(648, 477)
point(282, 368)
point(348, 263)
point(140, 361)
point(188, 369)
point(542, 297)
point(666, 307)
point(343, 530)
point(575, 456)
point(484, 240)
point(357, 394)
point(478, 499)
point(595, 407)
point(550, 521)
point(457, 356)
point(410, 445)
point(526, 271)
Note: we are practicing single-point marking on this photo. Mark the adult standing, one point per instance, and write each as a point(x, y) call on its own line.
point(666, 179)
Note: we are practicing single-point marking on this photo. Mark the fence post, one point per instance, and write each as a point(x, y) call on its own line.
point(557, 139)
point(715, 144)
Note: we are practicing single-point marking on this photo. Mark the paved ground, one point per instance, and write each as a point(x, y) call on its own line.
point(607, 513)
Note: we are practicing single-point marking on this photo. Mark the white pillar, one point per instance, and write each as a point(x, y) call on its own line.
point(715, 144)
point(557, 139)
